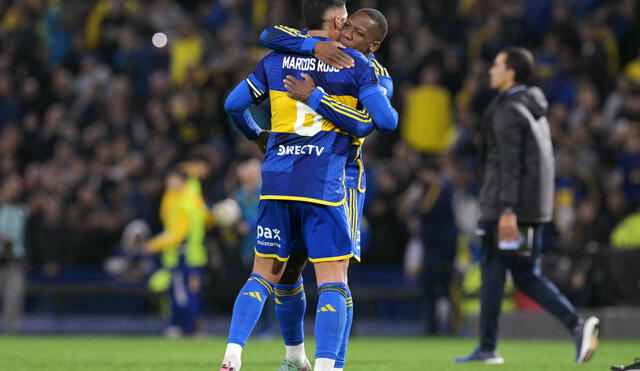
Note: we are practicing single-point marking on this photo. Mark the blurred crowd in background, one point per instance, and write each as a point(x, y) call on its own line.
point(92, 115)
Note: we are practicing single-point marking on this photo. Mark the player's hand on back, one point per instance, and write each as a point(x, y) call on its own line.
point(330, 52)
point(299, 90)
point(262, 139)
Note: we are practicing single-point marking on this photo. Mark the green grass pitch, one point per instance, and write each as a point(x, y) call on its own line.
point(399, 354)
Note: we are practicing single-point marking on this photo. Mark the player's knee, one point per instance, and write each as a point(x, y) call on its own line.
point(270, 269)
point(335, 271)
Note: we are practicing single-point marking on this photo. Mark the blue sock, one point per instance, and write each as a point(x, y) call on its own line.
point(342, 354)
point(248, 307)
point(331, 319)
point(291, 303)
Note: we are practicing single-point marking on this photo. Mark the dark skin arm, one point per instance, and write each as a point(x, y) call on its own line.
point(299, 90)
point(262, 139)
point(330, 52)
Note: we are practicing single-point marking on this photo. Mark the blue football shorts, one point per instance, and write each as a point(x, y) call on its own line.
point(286, 226)
point(353, 208)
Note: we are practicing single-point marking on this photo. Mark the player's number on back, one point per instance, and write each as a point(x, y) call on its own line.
point(302, 110)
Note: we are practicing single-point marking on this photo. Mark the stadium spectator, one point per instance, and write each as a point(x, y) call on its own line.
point(13, 252)
point(428, 128)
point(184, 216)
point(627, 234)
point(438, 234)
point(516, 198)
point(247, 196)
point(48, 235)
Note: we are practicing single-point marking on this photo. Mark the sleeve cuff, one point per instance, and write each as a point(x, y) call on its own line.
point(308, 45)
point(508, 210)
point(314, 99)
point(257, 82)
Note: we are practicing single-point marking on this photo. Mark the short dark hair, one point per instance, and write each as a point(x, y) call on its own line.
point(313, 11)
point(521, 61)
point(178, 170)
point(380, 21)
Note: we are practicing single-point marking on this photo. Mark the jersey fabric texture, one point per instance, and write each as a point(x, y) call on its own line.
point(355, 176)
point(306, 154)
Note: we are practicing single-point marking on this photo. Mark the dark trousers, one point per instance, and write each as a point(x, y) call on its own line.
point(438, 272)
point(527, 277)
point(185, 291)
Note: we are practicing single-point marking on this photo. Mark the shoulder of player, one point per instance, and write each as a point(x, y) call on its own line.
point(380, 70)
point(362, 63)
point(357, 56)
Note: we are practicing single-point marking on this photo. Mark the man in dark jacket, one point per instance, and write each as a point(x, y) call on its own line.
point(516, 197)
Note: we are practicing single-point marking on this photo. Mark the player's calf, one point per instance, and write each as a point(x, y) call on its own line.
point(331, 319)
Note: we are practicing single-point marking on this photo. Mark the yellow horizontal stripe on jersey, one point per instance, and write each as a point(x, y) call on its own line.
point(291, 31)
point(296, 31)
point(285, 31)
point(342, 111)
point(284, 112)
point(362, 115)
point(330, 100)
point(305, 199)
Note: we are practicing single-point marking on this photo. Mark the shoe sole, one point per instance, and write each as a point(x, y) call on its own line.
point(306, 367)
point(589, 343)
point(494, 361)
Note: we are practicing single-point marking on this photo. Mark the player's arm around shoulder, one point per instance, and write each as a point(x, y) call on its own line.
point(291, 40)
point(287, 39)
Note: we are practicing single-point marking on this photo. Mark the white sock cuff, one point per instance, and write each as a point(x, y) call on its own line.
point(324, 364)
point(296, 354)
point(233, 349)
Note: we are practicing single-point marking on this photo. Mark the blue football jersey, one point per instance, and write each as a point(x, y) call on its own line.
point(306, 154)
point(354, 170)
